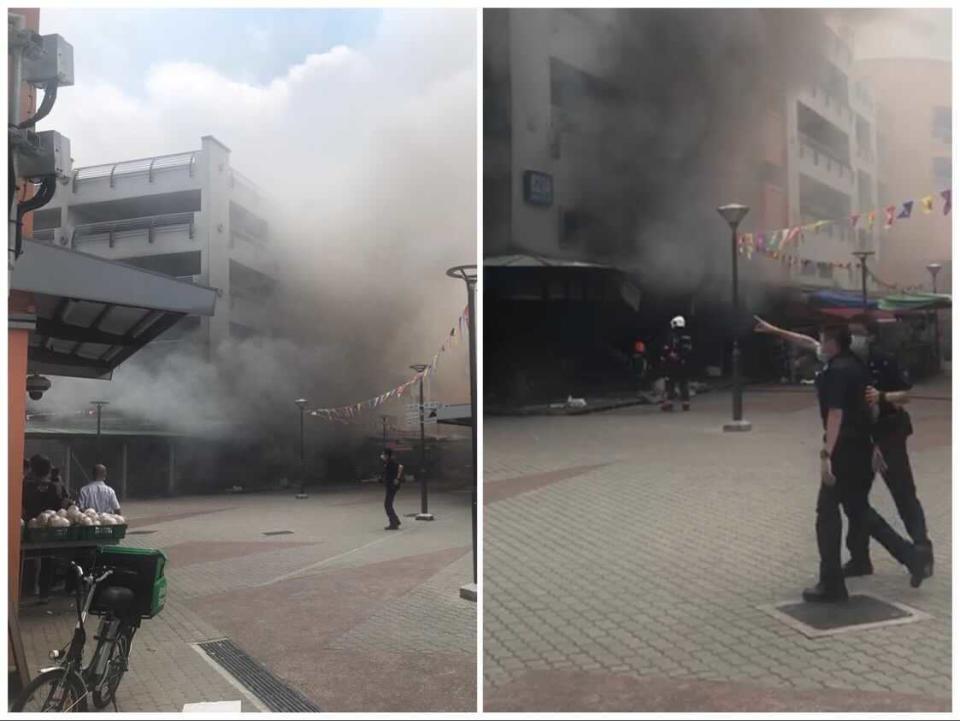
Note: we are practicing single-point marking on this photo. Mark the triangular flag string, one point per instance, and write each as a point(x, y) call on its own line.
point(343, 414)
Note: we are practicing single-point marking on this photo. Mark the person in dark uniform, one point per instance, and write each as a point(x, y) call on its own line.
point(887, 393)
point(674, 360)
point(41, 494)
point(847, 463)
point(392, 473)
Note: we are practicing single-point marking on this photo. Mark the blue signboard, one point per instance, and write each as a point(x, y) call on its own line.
point(537, 188)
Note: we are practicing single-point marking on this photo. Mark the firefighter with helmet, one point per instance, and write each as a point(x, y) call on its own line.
point(674, 360)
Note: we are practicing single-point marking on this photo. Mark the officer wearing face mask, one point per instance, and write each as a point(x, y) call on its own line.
point(887, 394)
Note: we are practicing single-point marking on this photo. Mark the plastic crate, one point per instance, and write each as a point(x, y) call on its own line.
point(140, 570)
point(101, 533)
point(49, 535)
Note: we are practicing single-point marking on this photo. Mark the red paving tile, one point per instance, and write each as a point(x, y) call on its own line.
point(153, 520)
point(578, 691)
point(191, 552)
point(287, 627)
point(499, 490)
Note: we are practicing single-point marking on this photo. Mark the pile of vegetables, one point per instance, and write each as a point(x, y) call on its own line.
point(73, 516)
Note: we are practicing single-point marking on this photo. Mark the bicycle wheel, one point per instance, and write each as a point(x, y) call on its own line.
point(104, 694)
point(53, 691)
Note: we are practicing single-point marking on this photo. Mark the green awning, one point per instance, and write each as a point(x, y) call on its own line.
point(915, 301)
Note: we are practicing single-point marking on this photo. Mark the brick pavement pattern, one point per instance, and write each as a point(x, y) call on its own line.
point(647, 541)
point(410, 619)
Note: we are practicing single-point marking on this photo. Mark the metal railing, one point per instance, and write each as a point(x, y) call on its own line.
point(149, 224)
point(821, 155)
point(142, 166)
point(237, 178)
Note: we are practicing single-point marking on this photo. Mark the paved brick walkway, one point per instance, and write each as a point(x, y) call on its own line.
point(627, 553)
point(332, 609)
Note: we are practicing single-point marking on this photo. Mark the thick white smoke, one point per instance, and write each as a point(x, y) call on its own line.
point(370, 155)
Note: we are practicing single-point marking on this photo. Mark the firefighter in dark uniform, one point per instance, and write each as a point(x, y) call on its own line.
point(887, 392)
point(846, 469)
point(674, 361)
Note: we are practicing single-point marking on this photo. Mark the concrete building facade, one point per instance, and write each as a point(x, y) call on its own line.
point(188, 215)
point(815, 158)
point(832, 165)
point(915, 154)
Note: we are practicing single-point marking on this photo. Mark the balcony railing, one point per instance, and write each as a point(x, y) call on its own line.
point(149, 224)
point(823, 156)
point(144, 166)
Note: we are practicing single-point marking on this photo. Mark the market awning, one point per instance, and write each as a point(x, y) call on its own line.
point(915, 301)
point(839, 299)
point(521, 260)
point(92, 314)
point(847, 313)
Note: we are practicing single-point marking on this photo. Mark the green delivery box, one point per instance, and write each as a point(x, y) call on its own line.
point(140, 570)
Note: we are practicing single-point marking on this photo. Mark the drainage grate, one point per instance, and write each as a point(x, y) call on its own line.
point(860, 612)
point(139, 533)
point(272, 692)
point(276, 533)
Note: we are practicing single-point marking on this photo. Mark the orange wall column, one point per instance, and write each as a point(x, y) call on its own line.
point(16, 425)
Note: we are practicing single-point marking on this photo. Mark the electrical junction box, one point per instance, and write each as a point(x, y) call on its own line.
point(44, 154)
point(53, 65)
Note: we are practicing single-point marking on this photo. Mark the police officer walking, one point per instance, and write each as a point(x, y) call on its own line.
point(887, 393)
point(391, 479)
point(674, 360)
point(846, 469)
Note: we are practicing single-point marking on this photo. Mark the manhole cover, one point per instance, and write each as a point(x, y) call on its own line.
point(859, 613)
point(272, 692)
point(139, 533)
point(276, 533)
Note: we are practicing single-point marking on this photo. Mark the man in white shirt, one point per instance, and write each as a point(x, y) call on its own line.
point(97, 494)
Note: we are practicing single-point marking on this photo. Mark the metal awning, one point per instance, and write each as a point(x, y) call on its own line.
point(454, 414)
point(92, 314)
point(521, 260)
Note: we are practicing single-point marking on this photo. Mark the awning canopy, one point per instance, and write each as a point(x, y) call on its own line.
point(520, 260)
point(92, 314)
point(839, 299)
point(916, 301)
point(453, 414)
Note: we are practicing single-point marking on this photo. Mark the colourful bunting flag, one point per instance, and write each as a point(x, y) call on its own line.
point(926, 202)
point(854, 219)
point(947, 201)
point(890, 211)
point(907, 210)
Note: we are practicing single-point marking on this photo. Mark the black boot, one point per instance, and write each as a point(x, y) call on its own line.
point(921, 565)
point(855, 569)
point(822, 593)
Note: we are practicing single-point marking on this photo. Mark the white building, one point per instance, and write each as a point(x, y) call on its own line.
point(188, 215)
point(832, 166)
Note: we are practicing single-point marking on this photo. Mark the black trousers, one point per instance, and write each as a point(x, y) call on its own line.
point(675, 381)
point(388, 503)
point(852, 466)
point(899, 479)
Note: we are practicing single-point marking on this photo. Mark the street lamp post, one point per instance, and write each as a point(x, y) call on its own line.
point(468, 274)
point(934, 268)
point(861, 256)
point(734, 213)
point(99, 405)
point(424, 514)
point(301, 403)
point(383, 420)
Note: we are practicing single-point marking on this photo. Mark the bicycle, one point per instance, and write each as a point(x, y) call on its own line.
point(65, 687)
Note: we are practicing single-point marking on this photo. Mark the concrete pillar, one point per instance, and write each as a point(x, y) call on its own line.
point(123, 471)
point(171, 471)
point(66, 466)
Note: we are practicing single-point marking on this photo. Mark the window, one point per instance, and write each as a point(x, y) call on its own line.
point(570, 87)
point(46, 219)
point(178, 265)
point(943, 124)
point(943, 170)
